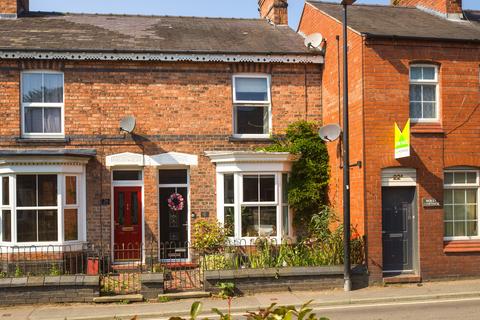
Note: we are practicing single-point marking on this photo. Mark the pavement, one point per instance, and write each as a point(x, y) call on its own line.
point(381, 295)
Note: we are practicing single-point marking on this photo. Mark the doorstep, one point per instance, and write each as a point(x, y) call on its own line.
point(402, 278)
point(119, 298)
point(184, 295)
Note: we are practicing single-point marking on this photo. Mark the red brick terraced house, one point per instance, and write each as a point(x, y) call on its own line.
point(416, 60)
point(206, 93)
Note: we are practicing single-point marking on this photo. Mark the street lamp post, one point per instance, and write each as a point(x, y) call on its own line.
point(346, 157)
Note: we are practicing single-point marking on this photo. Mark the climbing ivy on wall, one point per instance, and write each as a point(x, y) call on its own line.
point(309, 178)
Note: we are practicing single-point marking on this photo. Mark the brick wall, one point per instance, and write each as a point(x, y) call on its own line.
point(181, 107)
point(456, 143)
point(379, 92)
point(332, 101)
point(8, 6)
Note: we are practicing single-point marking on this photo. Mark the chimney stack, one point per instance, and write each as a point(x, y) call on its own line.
point(448, 8)
point(11, 9)
point(274, 10)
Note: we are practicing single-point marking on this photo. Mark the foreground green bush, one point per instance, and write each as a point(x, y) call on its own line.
point(273, 312)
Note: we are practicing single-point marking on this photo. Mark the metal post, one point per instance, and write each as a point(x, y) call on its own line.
point(346, 162)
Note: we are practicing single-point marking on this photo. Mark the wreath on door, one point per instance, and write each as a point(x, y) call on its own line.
point(176, 202)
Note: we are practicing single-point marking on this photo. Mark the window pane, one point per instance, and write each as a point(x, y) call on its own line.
point(33, 120)
point(121, 213)
point(134, 211)
point(459, 177)
point(448, 196)
point(471, 212)
point(251, 89)
point(47, 190)
point(459, 212)
point(448, 210)
point(471, 177)
point(32, 87)
point(472, 228)
point(284, 188)
point(429, 110)
point(448, 229)
point(26, 190)
point(448, 178)
point(459, 229)
point(416, 73)
point(429, 93)
point(173, 177)
point(459, 196)
point(70, 218)
point(7, 226)
point(415, 92)
point(52, 122)
point(267, 188)
point(415, 110)
point(229, 221)
point(228, 189)
point(47, 225)
point(471, 196)
point(428, 73)
point(5, 191)
point(285, 221)
point(268, 221)
point(53, 88)
point(127, 175)
point(26, 225)
point(71, 190)
point(251, 120)
point(250, 188)
point(250, 221)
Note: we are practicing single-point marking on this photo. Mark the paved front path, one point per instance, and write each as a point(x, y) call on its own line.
point(373, 295)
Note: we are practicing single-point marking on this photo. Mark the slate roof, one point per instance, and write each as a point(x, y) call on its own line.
point(152, 34)
point(404, 22)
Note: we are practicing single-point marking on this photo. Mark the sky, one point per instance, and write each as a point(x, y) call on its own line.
point(205, 8)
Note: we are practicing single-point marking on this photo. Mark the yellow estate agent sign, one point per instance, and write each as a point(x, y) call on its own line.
point(402, 141)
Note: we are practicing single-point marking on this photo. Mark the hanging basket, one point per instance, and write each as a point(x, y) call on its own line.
point(176, 202)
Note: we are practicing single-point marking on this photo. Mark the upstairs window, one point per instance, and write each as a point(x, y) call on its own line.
point(42, 104)
point(424, 93)
point(252, 105)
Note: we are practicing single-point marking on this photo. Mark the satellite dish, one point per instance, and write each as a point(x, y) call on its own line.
point(330, 132)
point(127, 124)
point(314, 41)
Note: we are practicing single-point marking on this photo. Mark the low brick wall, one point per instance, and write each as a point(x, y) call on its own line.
point(152, 285)
point(49, 289)
point(248, 281)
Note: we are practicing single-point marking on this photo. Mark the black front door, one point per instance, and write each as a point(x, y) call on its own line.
point(173, 225)
point(398, 205)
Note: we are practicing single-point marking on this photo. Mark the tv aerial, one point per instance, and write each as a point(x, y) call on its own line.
point(330, 132)
point(127, 124)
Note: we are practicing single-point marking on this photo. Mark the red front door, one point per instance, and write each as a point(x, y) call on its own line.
point(128, 223)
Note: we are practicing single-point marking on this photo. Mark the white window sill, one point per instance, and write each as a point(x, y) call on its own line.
point(251, 137)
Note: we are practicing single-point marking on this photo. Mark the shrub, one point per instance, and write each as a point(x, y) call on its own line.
point(208, 236)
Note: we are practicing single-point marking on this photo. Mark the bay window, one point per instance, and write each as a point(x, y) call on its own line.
point(252, 105)
point(42, 104)
point(43, 208)
point(255, 205)
point(461, 204)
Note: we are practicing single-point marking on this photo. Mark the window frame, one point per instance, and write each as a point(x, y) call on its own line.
point(463, 186)
point(246, 103)
point(238, 203)
point(435, 82)
point(61, 205)
point(24, 105)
